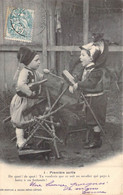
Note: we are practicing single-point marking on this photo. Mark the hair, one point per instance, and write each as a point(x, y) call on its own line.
point(87, 51)
point(94, 56)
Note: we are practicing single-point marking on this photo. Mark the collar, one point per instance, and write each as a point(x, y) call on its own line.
point(90, 66)
point(29, 68)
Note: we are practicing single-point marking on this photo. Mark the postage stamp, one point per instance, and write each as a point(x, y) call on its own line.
point(19, 24)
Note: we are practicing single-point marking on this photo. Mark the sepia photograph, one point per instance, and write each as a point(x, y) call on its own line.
point(61, 96)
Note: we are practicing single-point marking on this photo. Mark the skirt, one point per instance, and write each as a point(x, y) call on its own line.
point(17, 108)
point(98, 104)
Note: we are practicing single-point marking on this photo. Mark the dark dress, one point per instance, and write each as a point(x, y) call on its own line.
point(93, 89)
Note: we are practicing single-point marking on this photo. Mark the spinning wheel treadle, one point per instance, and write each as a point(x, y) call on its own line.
point(24, 153)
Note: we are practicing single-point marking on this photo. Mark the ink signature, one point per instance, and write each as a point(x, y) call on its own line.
point(84, 187)
point(34, 184)
point(89, 187)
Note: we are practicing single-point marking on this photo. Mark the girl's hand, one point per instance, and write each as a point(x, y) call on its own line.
point(75, 86)
point(33, 93)
point(46, 71)
point(71, 89)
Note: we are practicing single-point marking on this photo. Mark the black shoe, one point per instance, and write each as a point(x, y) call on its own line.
point(94, 144)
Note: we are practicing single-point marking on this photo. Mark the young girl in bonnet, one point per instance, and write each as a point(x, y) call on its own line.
point(25, 98)
point(98, 44)
point(91, 83)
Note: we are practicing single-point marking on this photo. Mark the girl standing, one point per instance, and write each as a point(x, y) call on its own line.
point(25, 98)
point(91, 83)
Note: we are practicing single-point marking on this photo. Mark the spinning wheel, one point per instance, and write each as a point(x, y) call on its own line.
point(44, 123)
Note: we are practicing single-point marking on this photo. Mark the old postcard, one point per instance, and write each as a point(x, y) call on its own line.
point(61, 97)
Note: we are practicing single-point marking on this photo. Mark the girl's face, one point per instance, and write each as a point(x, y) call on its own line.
point(85, 58)
point(35, 63)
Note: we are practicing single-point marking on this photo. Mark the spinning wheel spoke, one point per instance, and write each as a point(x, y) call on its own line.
point(52, 125)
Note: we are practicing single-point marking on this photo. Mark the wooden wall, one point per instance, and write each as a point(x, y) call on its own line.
point(59, 49)
point(104, 16)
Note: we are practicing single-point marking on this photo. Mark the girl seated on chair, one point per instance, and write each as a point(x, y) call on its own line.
point(91, 83)
point(25, 97)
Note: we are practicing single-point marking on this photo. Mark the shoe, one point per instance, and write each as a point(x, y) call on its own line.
point(94, 144)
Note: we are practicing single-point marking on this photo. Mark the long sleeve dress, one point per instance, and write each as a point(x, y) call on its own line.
point(91, 85)
point(23, 98)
